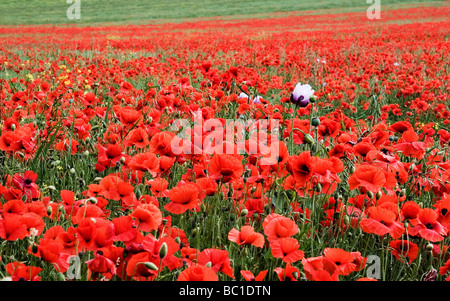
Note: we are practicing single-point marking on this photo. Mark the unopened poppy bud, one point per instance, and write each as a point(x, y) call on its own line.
point(308, 139)
point(151, 266)
point(346, 219)
point(13, 127)
point(86, 153)
point(122, 160)
point(177, 240)
point(97, 179)
point(93, 200)
point(312, 99)
point(49, 210)
point(60, 277)
point(208, 264)
point(295, 275)
point(88, 139)
point(318, 187)
point(51, 187)
point(244, 212)
point(255, 215)
point(402, 192)
point(370, 194)
point(194, 232)
point(430, 247)
point(378, 195)
point(72, 170)
point(163, 251)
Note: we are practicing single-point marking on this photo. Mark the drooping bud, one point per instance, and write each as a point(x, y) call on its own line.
point(150, 265)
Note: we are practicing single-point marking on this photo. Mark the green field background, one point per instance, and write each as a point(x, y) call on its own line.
point(16, 12)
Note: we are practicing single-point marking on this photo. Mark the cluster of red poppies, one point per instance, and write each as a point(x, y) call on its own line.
point(369, 154)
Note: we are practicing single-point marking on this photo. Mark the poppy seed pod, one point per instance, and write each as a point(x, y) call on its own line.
point(315, 121)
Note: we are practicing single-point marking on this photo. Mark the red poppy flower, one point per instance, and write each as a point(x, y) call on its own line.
point(300, 167)
point(148, 217)
point(161, 144)
point(320, 268)
point(410, 146)
point(428, 227)
point(249, 276)
point(342, 259)
point(225, 167)
point(27, 184)
point(182, 198)
point(246, 236)
point(218, 259)
point(198, 273)
point(404, 250)
point(100, 265)
point(19, 271)
point(286, 248)
point(289, 273)
point(381, 221)
point(370, 178)
point(277, 226)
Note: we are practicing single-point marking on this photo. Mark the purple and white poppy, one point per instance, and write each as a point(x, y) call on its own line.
point(302, 94)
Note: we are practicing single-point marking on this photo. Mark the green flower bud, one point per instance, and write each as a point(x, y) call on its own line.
point(163, 251)
point(150, 265)
point(244, 212)
point(60, 277)
point(309, 139)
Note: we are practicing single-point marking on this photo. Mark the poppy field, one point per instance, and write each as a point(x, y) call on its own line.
point(298, 146)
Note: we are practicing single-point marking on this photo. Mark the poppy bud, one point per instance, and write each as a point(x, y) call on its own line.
point(177, 240)
point(86, 153)
point(370, 194)
point(308, 139)
point(295, 275)
point(346, 219)
point(72, 170)
point(202, 207)
point(60, 277)
point(244, 212)
point(98, 179)
point(208, 264)
point(318, 187)
point(255, 215)
point(163, 251)
point(150, 265)
point(93, 200)
point(49, 210)
point(378, 195)
point(122, 160)
point(13, 127)
point(430, 247)
point(194, 232)
point(402, 192)
point(51, 187)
